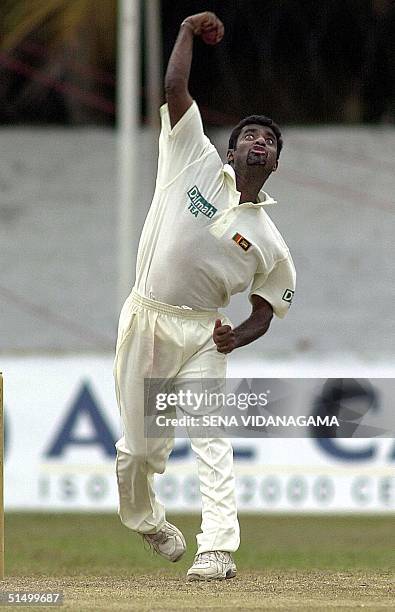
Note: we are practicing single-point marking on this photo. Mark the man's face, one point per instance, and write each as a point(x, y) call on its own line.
point(256, 146)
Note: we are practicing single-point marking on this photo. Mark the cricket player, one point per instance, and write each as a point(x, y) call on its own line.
point(207, 236)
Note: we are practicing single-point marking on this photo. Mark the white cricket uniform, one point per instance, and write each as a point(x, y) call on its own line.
point(198, 247)
point(188, 253)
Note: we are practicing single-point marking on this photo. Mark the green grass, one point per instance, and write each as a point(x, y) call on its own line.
point(284, 562)
point(71, 544)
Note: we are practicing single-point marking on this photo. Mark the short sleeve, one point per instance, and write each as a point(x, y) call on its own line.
point(181, 146)
point(278, 287)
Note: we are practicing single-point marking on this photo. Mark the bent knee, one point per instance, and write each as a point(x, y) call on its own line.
point(132, 457)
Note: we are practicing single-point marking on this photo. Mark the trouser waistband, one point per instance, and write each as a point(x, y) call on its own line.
point(169, 309)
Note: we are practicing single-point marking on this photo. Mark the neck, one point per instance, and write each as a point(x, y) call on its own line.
point(249, 181)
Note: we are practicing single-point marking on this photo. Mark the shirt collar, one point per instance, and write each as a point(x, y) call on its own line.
point(264, 199)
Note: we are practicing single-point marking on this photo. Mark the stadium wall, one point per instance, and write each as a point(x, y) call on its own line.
point(58, 240)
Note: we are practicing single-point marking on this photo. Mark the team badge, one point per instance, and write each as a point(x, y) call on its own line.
point(241, 241)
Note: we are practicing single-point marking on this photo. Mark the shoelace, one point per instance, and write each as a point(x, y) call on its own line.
point(160, 537)
point(217, 555)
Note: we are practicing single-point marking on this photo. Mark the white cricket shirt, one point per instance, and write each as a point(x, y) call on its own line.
point(199, 246)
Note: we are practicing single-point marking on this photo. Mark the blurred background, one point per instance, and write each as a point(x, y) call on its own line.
point(305, 62)
point(325, 72)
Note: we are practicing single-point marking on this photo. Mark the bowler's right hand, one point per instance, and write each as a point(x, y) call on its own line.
point(224, 337)
point(207, 26)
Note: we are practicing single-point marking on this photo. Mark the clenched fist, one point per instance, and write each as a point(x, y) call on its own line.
point(207, 25)
point(224, 337)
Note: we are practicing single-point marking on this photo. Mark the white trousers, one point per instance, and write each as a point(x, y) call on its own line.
point(157, 340)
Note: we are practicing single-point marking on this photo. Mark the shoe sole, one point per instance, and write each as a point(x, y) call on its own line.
point(201, 578)
point(182, 552)
point(175, 560)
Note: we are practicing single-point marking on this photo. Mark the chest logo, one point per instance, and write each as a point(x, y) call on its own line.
point(242, 242)
point(199, 205)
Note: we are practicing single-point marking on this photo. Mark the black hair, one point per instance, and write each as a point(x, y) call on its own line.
point(259, 120)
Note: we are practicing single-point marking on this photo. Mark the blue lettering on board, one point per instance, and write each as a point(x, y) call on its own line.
point(84, 405)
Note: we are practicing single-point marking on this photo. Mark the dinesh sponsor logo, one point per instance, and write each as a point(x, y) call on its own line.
point(199, 204)
point(288, 295)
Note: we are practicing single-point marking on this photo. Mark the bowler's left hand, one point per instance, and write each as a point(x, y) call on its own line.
point(224, 337)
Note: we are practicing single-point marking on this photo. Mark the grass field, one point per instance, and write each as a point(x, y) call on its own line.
point(284, 562)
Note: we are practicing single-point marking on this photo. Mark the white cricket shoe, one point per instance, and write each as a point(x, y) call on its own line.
point(213, 565)
point(168, 542)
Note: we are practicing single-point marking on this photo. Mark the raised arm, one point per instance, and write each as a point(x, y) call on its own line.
point(210, 28)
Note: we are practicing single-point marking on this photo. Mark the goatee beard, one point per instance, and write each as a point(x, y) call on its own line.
point(256, 159)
